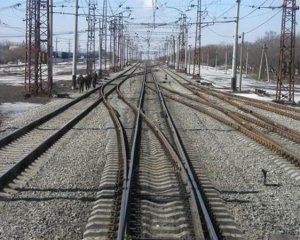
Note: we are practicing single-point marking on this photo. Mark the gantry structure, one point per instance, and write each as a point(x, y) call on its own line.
point(285, 90)
point(38, 47)
point(91, 34)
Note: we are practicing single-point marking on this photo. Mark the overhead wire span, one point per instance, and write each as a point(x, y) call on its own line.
point(258, 26)
point(254, 10)
point(218, 34)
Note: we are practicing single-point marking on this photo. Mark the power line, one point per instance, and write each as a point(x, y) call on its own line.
point(253, 29)
point(254, 10)
point(218, 34)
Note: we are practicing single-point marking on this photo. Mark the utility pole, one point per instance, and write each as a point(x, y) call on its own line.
point(75, 48)
point(197, 50)
point(169, 52)
point(185, 43)
point(178, 53)
point(115, 44)
point(166, 58)
point(119, 42)
point(90, 48)
point(247, 59)
point(174, 52)
point(235, 46)
point(241, 62)
point(190, 53)
point(127, 52)
point(264, 55)
point(29, 42)
point(261, 61)
point(100, 47)
point(56, 51)
point(50, 48)
point(104, 26)
point(113, 37)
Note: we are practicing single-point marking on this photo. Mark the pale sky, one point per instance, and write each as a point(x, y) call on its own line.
point(256, 18)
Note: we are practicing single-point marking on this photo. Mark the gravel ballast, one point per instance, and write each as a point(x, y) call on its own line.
point(234, 164)
point(55, 203)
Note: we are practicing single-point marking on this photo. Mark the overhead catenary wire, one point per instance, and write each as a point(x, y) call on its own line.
point(218, 34)
point(258, 26)
point(254, 10)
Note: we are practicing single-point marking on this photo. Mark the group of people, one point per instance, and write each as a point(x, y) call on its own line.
point(87, 81)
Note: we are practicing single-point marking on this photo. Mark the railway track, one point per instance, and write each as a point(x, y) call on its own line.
point(283, 110)
point(21, 148)
point(215, 209)
point(256, 126)
point(151, 192)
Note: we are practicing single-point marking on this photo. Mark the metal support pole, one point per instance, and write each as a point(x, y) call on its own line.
point(91, 37)
point(190, 53)
point(127, 52)
point(235, 46)
point(185, 34)
point(50, 48)
point(197, 50)
point(261, 61)
point(186, 51)
point(241, 62)
point(74, 67)
point(100, 48)
point(174, 52)
point(267, 67)
point(104, 26)
point(178, 53)
point(247, 59)
point(39, 47)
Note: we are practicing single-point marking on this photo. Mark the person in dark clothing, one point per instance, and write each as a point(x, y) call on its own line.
point(88, 81)
point(94, 78)
point(81, 81)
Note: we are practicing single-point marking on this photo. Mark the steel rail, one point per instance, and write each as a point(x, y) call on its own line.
point(271, 107)
point(167, 145)
point(132, 163)
point(24, 162)
point(264, 122)
point(29, 127)
point(122, 141)
point(258, 135)
point(269, 123)
point(230, 99)
point(246, 129)
point(196, 194)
